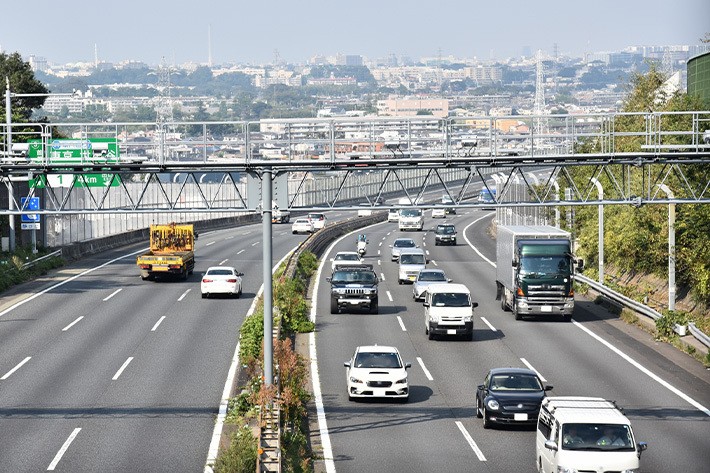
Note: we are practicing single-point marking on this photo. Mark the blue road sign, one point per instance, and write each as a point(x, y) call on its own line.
point(33, 204)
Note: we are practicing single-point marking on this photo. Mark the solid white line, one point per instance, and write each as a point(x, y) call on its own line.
point(211, 243)
point(382, 276)
point(113, 294)
point(71, 324)
point(489, 324)
point(401, 324)
point(426, 371)
point(120, 370)
point(64, 448)
point(223, 261)
point(183, 295)
point(389, 296)
point(240, 252)
point(224, 402)
point(645, 370)
point(470, 441)
point(542, 378)
point(24, 301)
point(471, 244)
point(7, 375)
point(155, 327)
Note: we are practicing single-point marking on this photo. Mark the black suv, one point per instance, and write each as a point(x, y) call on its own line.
point(353, 286)
point(445, 234)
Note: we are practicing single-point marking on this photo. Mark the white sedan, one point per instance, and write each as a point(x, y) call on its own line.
point(377, 371)
point(302, 225)
point(345, 258)
point(221, 280)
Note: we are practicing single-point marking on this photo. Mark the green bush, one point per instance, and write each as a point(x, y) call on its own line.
point(665, 324)
point(241, 455)
point(12, 273)
point(252, 335)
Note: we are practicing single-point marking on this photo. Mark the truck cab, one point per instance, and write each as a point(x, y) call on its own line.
point(448, 310)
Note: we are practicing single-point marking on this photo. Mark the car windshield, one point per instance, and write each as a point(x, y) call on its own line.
point(347, 257)
point(305, 222)
point(411, 213)
point(540, 266)
point(431, 276)
point(404, 244)
point(450, 299)
point(597, 437)
point(446, 230)
point(515, 382)
point(316, 216)
point(377, 360)
point(412, 259)
point(367, 277)
point(220, 272)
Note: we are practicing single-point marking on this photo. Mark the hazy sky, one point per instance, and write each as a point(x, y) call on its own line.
point(251, 31)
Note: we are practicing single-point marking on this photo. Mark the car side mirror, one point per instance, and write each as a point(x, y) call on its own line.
point(480, 387)
point(240, 274)
point(390, 246)
point(548, 388)
point(196, 235)
point(426, 304)
point(641, 447)
point(580, 265)
point(328, 279)
point(514, 264)
point(407, 366)
point(346, 364)
point(474, 304)
point(551, 445)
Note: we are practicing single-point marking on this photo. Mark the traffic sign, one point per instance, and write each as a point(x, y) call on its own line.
point(29, 203)
point(83, 180)
point(30, 226)
point(72, 151)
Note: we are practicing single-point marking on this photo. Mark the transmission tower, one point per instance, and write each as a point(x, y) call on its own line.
point(164, 107)
point(540, 124)
point(667, 64)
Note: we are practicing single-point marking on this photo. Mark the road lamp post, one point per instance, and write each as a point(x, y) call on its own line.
point(8, 122)
point(601, 229)
point(671, 247)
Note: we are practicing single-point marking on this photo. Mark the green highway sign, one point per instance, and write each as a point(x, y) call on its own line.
point(74, 151)
point(82, 180)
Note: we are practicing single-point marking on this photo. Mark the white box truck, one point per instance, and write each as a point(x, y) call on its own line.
point(535, 271)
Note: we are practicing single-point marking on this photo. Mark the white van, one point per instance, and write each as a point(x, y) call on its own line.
point(448, 310)
point(411, 261)
point(585, 434)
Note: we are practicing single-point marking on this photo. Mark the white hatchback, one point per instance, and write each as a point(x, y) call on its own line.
point(302, 225)
point(377, 371)
point(221, 280)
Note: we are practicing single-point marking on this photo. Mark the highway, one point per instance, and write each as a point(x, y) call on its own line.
point(664, 393)
point(106, 372)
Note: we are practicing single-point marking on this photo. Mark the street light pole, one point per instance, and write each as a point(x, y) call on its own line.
point(601, 229)
point(671, 247)
point(8, 151)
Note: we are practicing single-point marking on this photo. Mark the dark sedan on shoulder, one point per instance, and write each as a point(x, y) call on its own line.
point(510, 396)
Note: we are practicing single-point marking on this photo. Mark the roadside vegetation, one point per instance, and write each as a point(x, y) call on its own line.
point(22, 266)
point(290, 392)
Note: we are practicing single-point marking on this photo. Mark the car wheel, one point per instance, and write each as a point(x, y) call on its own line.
point(431, 334)
point(478, 408)
point(333, 306)
point(566, 318)
point(374, 307)
point(293, 233)
point(486, 421)
point(454, 242)
point(436, 243)
point(469, 336)
point(400, 282)
point(204, 295)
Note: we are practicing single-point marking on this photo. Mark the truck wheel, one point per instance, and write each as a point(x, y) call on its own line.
point(469, 336)
point(503, 305)
point(516, 313)
point(430, 333)
point(333, 306)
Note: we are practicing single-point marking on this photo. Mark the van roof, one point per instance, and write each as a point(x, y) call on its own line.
point(449, 287)
point(567, 409)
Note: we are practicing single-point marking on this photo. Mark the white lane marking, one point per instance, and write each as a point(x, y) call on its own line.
point(72, 324)
point(427, 252)
point(382, 276)
point(379, 262)
point(245, 233)
point(240, 252)
point(63, 450)
point(401, 324)
point(211, 243)
point(7, 375)
point(380, 244)
point(489, 324)
point(470, 441)
point(645, 370)
point(227, 390)
point(223, 261)
point(423, 243)
point(255, 243)
point(229, 237)
point(183, 295)
point(123, 367)
point(24, 301)
point(434, 263)
point(315, 376)
point(389, 296)
point(155, 327)
point(542, 378)
point(426, 371)
point(389, 233)
point(113, 294)
point(471, 244)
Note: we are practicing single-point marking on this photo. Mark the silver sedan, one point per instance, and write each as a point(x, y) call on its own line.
point(401, 244)
point(424, 279)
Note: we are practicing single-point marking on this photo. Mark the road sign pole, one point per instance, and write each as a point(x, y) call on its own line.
point(268, 278)
point(8, 150)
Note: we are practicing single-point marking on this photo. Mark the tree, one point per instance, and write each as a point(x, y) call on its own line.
point(22, 81)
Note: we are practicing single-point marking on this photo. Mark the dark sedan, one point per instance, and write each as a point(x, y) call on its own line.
point(510, 396)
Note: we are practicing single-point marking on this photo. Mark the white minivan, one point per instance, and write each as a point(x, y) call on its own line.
point(448, 310)
point(411, 261)
point(585, 434)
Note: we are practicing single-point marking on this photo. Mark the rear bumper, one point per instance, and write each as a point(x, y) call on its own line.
point(440, 329)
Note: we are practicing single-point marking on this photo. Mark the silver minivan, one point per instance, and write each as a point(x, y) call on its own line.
point(411, 261)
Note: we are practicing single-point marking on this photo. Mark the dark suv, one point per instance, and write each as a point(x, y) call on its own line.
point(445, 234)
point(353, 286)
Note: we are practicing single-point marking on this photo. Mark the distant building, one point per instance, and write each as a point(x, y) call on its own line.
point(699, 77)
point(332, 81)
point(348, 60)
point(413, 107)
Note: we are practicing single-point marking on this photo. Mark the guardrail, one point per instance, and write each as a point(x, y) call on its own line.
point(638, 307)
point(35, 261)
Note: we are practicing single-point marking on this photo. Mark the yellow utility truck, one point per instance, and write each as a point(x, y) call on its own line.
point(172, 252)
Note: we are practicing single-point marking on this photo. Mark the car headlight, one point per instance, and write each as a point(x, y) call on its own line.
point(467, 318)
point(493, 404)
point(401, 381)
point(564, 469)
point(355, 380)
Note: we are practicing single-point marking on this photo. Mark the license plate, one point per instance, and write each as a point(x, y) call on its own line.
point(546, 308)
point(451, 331)
point(520, 416)
point(160, 268)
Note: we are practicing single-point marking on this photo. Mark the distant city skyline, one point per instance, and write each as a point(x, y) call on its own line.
point(258, 32)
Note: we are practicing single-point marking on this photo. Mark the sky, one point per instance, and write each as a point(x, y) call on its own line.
point(253, 31)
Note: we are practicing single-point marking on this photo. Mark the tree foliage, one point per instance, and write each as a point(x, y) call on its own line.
point(22, 81)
